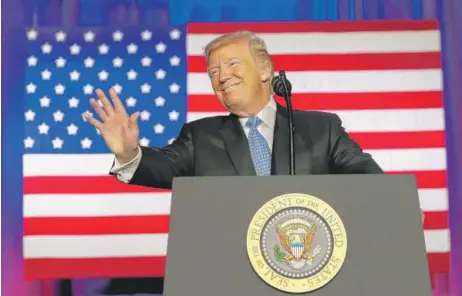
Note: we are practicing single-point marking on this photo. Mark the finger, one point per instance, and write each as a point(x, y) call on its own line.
point(106, 104)
point(134, 117)
point(92, 120)
point(98, 109)
point(119, 107)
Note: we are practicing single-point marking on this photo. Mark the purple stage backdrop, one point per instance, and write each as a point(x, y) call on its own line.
point(18, 16)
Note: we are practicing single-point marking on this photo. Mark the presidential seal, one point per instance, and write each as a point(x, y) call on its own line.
point(296, 243)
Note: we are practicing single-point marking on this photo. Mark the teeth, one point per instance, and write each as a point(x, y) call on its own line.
point(230, 88)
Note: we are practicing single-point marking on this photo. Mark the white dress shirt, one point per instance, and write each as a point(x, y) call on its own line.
point(126, 171)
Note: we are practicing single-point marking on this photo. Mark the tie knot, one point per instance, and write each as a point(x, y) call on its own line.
point(253, 122)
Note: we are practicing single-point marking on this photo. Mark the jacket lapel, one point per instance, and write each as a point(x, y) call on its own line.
point(237, 146)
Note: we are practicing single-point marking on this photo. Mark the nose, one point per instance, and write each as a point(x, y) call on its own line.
point(225, 73)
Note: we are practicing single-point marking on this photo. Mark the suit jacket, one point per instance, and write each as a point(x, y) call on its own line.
point(218, 146)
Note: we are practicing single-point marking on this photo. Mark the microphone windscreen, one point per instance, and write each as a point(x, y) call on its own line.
point(278, 86)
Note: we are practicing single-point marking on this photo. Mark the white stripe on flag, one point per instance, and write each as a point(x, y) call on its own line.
point(343, 81)
point(395, 160)
point(139, 204)
point(70, 246)
point(335, 42)
point(129, 245)
point(433, 199)
point(96, 205)
point(437, 241)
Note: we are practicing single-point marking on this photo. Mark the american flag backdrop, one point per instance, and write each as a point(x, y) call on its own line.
point(383, 79)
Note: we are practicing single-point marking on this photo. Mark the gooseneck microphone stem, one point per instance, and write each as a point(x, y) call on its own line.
point(282, 87)
point(288, 98)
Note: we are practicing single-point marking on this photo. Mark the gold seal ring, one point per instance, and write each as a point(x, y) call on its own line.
point(296, 243)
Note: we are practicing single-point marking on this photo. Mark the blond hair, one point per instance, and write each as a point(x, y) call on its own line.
point(257, 47)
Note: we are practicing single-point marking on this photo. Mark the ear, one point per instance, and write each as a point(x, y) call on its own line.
point(265, 72)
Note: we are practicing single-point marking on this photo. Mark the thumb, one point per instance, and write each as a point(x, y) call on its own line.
point(134, 118)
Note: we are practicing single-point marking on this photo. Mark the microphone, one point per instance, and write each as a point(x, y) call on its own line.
point(282, 87)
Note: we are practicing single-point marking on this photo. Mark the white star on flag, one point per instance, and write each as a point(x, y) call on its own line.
point(74, 75)
point(175, 34)
point(58, 116)
point(145, 115)
point(31, 88)
point(46, 74)
point(103, 75)
point(145, 88)
point(89, 62)
point(146, 35)
point(117, 62)
point(118, 36)
point(59, 89)
point(174, 88)
point(29, 115)
point(132, 48)
point(131, 102)
point(45, 102)
point(86, 143)
point(173, 115)
point(160, 47)
point(29, 142)
point(146, 61)
point(32, 61)
point(32, 34)
point(144, 142)
point(159, 101)
point(89, 36)
point(75, 49)
point(160, 74)
point(60, 62)
point(131, 75)
point(60, 36)
point(73, 102)
point(46, 48)
point(159, 128)
point(57, 143)
point(43, 128)
point(72, 129)
point(103, 49)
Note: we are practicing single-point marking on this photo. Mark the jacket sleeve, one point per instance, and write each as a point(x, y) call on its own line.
point(158, 166)
point(346, 156)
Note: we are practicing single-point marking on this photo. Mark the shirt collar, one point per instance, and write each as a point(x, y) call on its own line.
point(267, 115)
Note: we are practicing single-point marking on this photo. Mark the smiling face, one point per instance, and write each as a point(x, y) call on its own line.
point(239, 82)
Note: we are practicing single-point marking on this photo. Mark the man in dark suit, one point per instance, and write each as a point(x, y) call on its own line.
point(251, 140)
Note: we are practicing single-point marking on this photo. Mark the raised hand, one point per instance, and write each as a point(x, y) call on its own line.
point(119, 130)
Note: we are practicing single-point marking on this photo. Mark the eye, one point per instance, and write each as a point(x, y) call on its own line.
point(213, 72)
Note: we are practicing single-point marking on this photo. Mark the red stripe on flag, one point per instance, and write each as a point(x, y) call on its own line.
point(438, 262)
point(96, 225)
point(345, 62)
point(81, 184)
point(303, 27)
point(436, 220)
point(105, 184)
point(143, 224)
point(400, 140)
point(94, 267)
point(137, 266)
point(336, 102)
point(426, 179)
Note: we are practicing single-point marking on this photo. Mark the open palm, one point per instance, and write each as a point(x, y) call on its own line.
point(119, 130)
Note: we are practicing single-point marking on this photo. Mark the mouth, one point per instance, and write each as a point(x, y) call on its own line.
point(230, 88)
